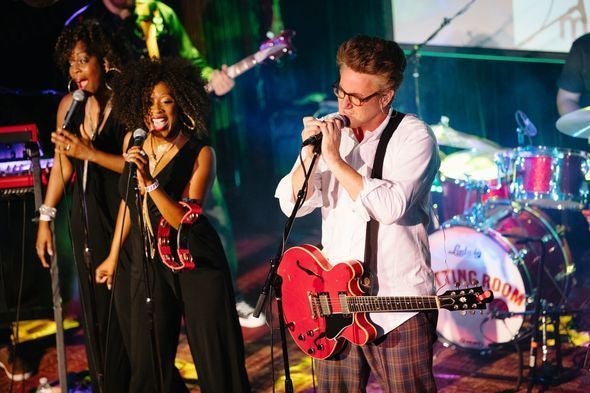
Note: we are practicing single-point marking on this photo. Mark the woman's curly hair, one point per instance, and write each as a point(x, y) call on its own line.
point(98, 41)
point(132, 95)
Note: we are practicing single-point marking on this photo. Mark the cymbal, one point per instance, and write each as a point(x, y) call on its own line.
point(471, 164)
point(576, 123)
point(447, 136)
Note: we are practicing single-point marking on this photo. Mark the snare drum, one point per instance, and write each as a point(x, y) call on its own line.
point(548, 176)
point(502, 254)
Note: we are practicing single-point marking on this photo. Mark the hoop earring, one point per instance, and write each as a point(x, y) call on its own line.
point(110, 75)
point(192, 121)
point(70, 89)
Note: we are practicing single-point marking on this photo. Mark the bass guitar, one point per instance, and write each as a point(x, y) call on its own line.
point(272, 49)
point(324, 306)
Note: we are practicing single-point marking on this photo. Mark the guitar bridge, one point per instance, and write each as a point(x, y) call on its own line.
point(312, 299)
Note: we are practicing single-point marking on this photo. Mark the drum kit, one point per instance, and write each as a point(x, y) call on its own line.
point(494, 208)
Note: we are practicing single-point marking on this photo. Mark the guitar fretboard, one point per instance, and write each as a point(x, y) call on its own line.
point(242, 66)
point(325, 305)
point(391, 303)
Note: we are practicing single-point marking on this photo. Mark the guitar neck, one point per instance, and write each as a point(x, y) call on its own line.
point(391, 303)
point(242, 66)
point(237, 69)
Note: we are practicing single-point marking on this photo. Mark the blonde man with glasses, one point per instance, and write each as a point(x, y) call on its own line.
point(346, 184)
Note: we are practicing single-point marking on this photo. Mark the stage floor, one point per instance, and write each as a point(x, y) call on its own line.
point(456, 370)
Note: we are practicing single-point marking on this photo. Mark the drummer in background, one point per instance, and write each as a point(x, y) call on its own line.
point(574, 81)
point(573, 94)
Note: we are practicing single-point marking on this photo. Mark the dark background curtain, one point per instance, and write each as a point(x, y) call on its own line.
point(256, 127)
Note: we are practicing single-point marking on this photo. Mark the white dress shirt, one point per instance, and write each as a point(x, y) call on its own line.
point(399, 202)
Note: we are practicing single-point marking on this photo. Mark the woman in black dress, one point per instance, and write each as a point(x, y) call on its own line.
point(174, 163)
point(90, 151)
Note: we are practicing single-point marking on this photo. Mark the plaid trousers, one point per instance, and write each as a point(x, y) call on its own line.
point(401, 361)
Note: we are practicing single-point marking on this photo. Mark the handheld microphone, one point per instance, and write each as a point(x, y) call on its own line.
point(317, 138)
point(78, 98)
point(139, 136)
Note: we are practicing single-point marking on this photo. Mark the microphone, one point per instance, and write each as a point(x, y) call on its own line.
point(317, 138)
point(79, 96)
point(139, 136)
point(525, 125)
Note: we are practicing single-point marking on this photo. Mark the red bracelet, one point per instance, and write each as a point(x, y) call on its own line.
point(166, 249)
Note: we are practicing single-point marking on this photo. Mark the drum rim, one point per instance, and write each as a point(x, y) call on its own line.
point(553, 150)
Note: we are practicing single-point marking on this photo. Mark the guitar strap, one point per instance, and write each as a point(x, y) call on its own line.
point(373, 226)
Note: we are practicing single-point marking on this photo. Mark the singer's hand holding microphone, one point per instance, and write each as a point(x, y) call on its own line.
point(65, 140)
point(324, 132)
point(138, 159)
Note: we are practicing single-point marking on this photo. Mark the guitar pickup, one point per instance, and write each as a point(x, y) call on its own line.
point(342, 297)
point(321, 305)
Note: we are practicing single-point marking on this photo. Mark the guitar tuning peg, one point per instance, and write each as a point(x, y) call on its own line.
point(463, 312)
point(472, 312)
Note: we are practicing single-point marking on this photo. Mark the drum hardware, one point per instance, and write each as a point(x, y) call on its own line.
point(543, 313)
point(547, 373)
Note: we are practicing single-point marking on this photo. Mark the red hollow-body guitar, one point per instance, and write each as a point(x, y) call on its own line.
point(325, 305)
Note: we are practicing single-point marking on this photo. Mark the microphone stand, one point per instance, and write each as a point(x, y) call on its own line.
point(545, 374)
point(149, 300)
point(32, 150)
point(92, 332)
point(520, 135)
point(414, 55)
point(274, 280)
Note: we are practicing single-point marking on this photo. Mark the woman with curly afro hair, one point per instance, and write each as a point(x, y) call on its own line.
point(175, 172)
point(90, 150)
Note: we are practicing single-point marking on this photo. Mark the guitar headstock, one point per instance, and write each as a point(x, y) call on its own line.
point(465, 299)
point(276, 47)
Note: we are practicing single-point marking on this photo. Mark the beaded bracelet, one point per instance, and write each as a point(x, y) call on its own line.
point(152, 186)
point(47, 213)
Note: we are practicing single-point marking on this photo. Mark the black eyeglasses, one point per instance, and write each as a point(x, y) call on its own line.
point(354, 99)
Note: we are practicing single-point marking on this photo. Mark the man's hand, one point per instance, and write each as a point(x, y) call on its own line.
point(221, 82)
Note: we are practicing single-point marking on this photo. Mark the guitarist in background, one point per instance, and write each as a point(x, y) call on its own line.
point(150, 28)
point(396, 204)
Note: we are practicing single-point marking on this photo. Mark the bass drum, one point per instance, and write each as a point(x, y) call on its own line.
point(502, 250)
